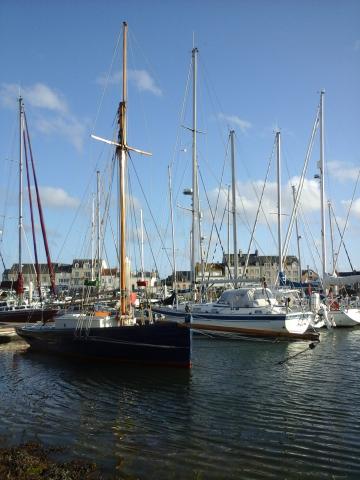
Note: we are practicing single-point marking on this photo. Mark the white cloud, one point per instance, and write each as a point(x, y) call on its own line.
point(247, 201)
point(342, 171)
point(244, 125)
point(38, 95)
point(54, 197)
point(355, 208)
point(140, 78)
point(52, 114)
point(68, 127)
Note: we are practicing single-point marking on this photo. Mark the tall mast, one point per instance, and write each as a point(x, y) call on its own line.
point(279, 207)
point(122, 169)
point(322, 185)
point(20, 285)
point(121, 152)
point(233, 185)
point(172, 233)
point(195, 196)
point(98, 229)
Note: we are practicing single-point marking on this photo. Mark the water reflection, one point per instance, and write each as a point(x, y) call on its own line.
point(237, 414)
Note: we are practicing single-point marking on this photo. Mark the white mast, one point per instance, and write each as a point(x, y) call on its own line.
point(322, 185)
point(21, 120)
point(142, 244)
point(98, 238)
point(279, 207)
point(195, 195)
point(233, 185)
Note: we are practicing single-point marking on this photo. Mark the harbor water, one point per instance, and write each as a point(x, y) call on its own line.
point(240, 413)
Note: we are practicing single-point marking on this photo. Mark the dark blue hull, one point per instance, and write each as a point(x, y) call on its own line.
point(162, 343)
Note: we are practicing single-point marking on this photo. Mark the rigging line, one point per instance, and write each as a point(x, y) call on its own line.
point(223, 252)
point(140, 97)
point(106, 216)
point(218, 198)
point(339, 232)
point(214, 223)
point(132, 211)
point(347, 219)
point(260, 203)
point(79, 208)
point(151, 250)
point(147, 203)
point(207, 85)
point(37, 268)
point(306, 231)
point(134, 41)
point(257, 196)
point(182, 116)
point(106, 84)
point(8, 176)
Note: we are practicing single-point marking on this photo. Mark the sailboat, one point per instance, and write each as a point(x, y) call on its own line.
point(341, 314)
point(121, 336)
point(17, 310)
point(249, 311)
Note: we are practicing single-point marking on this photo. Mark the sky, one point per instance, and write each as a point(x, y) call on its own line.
point(261, 67)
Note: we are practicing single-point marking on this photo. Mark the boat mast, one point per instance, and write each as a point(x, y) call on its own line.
point(122, 168)
point(98, 234)
point(233, 185)
point(20, 280)
point(279, 208)
point(121, 152)
point(322, 185)
point(195, 193)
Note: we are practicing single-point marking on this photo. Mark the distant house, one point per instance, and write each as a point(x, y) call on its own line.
point(309, 275)
point(262, 266)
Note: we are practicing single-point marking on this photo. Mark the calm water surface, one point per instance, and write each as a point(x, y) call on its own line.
point(237, 414)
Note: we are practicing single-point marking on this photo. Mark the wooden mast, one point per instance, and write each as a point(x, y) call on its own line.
point(122, 149)
point(121, 152)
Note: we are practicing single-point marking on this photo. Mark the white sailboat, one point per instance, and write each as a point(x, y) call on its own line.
point(342, 315)
point(249, 311)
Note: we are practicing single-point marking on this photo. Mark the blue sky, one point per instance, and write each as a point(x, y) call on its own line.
point(261, 66)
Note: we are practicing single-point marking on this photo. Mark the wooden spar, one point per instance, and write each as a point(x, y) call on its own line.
point(121, 152)
point(122, 149)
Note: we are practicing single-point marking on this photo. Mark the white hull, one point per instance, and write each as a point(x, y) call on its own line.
point(294, 322)
point(346, 318)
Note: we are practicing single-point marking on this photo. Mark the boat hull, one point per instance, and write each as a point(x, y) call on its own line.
point(346, 318)
point(295, 322)
point(161, 343)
